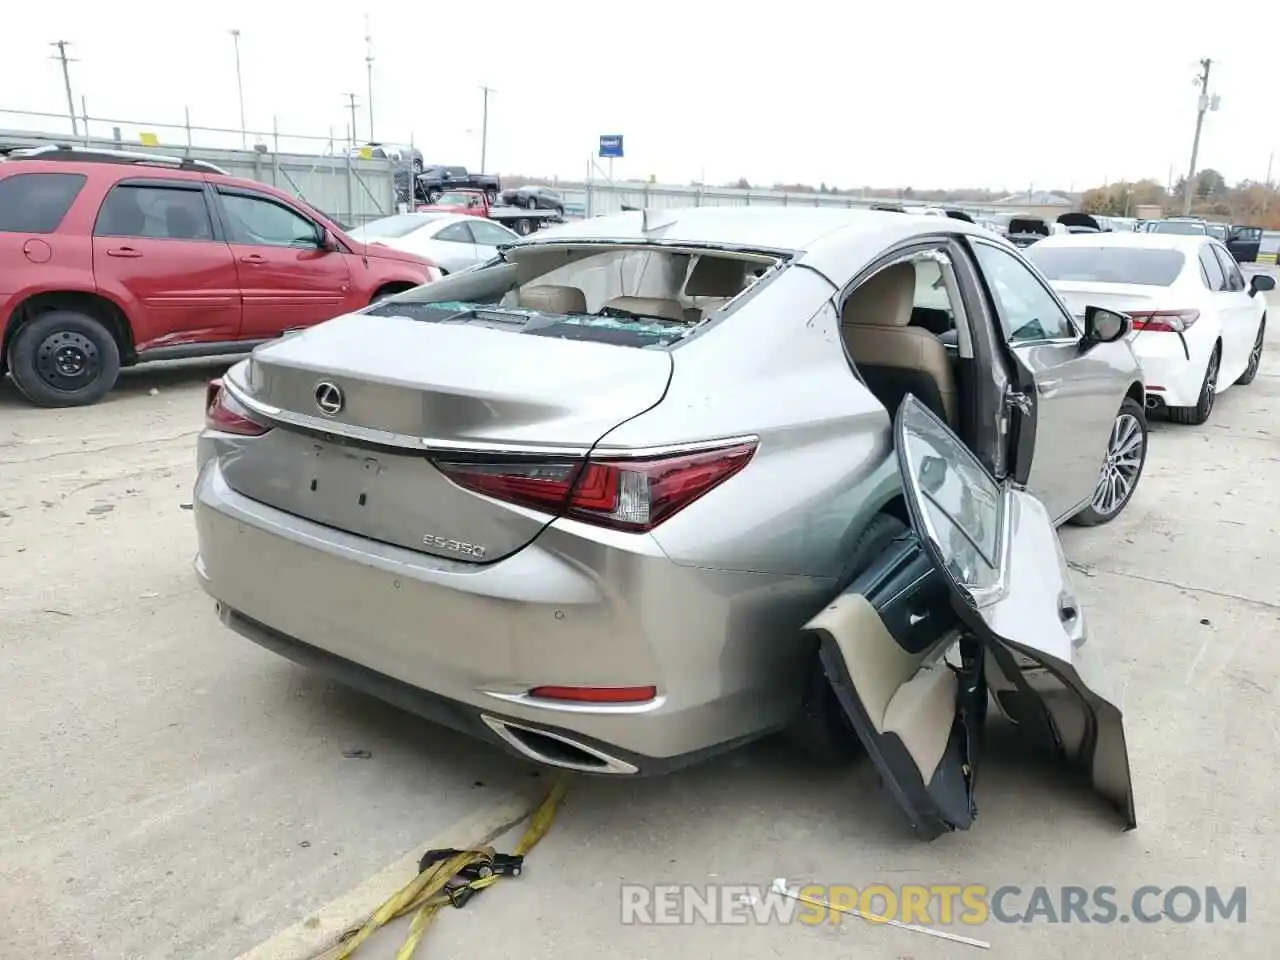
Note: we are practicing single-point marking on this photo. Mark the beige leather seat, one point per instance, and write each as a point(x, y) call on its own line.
point(893, 358)
point(650, 306)
point(549, 298)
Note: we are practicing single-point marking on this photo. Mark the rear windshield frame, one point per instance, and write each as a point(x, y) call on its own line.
point(1145, 266)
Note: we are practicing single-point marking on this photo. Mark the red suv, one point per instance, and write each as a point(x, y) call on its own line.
point(109, 259)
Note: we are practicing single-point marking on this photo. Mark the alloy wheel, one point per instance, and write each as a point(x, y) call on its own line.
point(1210, 384)
point(1255, 355)
point(1123, 464)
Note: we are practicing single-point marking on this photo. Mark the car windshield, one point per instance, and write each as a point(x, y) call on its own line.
point(454, 199)
point(1108, 264)
point(389, 228)
point(1218, 231)
point(1187, 227)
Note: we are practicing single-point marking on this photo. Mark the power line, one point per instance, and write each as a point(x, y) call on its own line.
point(66, 79)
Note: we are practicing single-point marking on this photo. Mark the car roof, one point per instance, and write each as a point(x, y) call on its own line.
point(1123, 238)
point(783, 229)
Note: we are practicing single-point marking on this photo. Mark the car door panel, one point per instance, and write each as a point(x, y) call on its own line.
point(1240, 315)
point(456, 245)
point(287, 279)
point(1077, 393)
point(1001, 598)
point(155, 250)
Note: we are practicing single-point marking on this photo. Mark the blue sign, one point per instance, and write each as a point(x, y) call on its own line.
point(610, 145)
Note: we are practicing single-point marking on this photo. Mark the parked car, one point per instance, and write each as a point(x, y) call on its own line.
point(435, 180)
point(1198, 325)
point(1024, 231)
point(1185, 226)
point(535, 198)
point(109, 259)
point(581, 501)
point(1245, 243)
point(523, 220)
point(452, 241)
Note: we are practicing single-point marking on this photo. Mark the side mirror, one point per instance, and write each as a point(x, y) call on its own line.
point(1261, 282)
point(327, 241)
point(1104, 326)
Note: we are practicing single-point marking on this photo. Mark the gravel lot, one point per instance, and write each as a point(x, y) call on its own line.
point(173, 791)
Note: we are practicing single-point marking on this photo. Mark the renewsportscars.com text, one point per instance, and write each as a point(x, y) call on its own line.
point(933, 904)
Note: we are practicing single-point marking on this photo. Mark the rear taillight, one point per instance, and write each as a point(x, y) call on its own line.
point(1168, 321)
point(224, 414)
point(622, 494)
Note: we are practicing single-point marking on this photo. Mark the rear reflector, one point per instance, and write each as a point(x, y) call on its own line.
point(596, 694)
point(622, 494)
point(223, 414)
point(1168, 321)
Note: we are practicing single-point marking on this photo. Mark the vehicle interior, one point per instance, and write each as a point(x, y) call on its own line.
point(906, 331)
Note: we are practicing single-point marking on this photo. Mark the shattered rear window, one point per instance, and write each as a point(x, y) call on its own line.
point(621, 331)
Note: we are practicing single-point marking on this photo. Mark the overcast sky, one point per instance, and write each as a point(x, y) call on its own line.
point(926, 94)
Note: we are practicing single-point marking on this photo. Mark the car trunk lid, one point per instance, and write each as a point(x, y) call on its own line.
point(363, 403)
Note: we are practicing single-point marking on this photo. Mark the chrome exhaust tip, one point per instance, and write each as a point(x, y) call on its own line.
point(1152, 402)
point(555, 749)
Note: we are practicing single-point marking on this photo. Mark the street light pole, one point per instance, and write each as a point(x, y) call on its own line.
point(1202, 107)
point(244, 135)
point(484, 130)
point(66, 80)
point(368, 62)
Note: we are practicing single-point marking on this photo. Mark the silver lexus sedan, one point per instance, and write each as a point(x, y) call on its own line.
point(582, 500)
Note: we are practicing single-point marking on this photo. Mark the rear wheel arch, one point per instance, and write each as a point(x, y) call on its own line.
point(1137, 393)
point(100, 308)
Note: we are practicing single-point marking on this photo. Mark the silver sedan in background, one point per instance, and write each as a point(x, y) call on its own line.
point(452, 241)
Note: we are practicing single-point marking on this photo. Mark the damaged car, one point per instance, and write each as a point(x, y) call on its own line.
point(581, 500)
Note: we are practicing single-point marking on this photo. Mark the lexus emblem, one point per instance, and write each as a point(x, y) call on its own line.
point(329, 398)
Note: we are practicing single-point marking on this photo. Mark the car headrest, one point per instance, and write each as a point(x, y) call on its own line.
point(650, 306)
point(883, 301)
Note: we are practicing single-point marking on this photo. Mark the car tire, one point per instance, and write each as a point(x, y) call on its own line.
point(524, 226)
point(417, 167)
point(821, 731)
point(491, 196)
point(64, 358)
point(1255, 356)
point(1130, 423)
point(1194, 416)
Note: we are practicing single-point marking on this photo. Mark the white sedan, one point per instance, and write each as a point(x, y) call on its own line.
point(451, 241)
point(1198, 325)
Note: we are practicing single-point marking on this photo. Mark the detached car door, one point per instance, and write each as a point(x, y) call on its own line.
point(1077, 395)
point(288, 279)
point(977, 599)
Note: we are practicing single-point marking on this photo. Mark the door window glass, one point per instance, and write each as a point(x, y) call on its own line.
point(490, 234)
point(157, 213)
point(262, 222)
point(1028, 311)
point(960, 503)
point(1211, 270)
point(37, 202)
point(455, 233)
point(1235, 279)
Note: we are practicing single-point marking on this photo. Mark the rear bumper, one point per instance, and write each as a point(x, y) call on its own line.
point(461, 642)
point(1170, 377)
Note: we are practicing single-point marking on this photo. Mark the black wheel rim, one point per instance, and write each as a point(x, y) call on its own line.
point(1255, 356)
point(68, 361)
point(1210, 383)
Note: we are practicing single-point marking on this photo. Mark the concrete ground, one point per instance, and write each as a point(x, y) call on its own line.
point(172, 791)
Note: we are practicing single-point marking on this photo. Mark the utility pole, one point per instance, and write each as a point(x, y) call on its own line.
point(66, 80)
point(1266, 197)
point(244, 136)
point(1204, 105)
point(351, 105)
point(484, 129)
point(368, 62)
